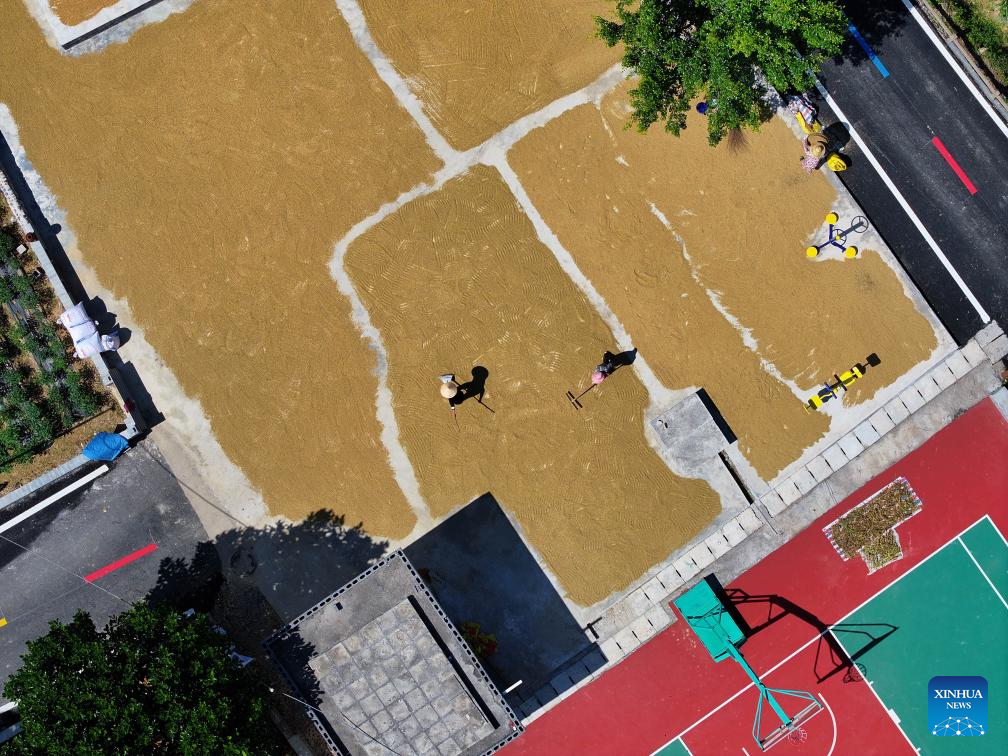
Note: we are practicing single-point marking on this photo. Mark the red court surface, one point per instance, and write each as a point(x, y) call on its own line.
point(671, 686)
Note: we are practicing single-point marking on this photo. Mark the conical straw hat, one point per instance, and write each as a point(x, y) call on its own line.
point(449, 390)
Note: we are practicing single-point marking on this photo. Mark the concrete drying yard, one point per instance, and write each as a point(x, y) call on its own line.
point(311, 212)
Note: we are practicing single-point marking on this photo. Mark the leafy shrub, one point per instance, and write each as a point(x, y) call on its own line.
point(61, 407)
point(153, 681)
point(7, 244)
point(37, 424)
point(81, 396)
point(7, 290)
point(25, 292)
point(983, 34)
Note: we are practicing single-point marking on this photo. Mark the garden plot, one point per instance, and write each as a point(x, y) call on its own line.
point(458, 279)
point(700, 253)
point(207, 167)
point(45, 394)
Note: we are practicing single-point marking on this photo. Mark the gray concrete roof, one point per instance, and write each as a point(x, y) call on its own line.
point(387, 673)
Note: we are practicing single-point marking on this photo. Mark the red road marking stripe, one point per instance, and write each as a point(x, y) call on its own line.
point(121, 562)
point(954, 165)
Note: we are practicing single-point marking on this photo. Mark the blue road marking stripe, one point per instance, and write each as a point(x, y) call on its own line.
point(868, 51)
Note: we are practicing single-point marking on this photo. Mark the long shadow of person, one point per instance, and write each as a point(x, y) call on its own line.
point(610, 361)
point(474, 388)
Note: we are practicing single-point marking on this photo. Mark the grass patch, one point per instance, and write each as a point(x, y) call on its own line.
point(987, 37)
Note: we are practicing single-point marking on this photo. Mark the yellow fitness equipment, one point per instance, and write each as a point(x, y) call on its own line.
point(836, 163)
point(837, 237)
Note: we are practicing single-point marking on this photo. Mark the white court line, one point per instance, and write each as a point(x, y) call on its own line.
point(982, 572)
point(955, 66)
point(55, 497)
point(745, 752)
point(818, 636)
point(904, 204)
point(997, 530)
point(888, 711)
point(830, 710)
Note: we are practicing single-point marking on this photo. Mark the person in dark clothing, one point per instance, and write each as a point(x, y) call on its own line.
point(610, 363)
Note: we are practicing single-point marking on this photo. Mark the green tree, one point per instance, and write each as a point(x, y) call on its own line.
point(729, 52)
point(152, 682)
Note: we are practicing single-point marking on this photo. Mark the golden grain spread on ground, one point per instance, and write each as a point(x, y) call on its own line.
point(591, 495)
point(478, 66)
point(670, 230)
point(72, 12)
point(208, 166)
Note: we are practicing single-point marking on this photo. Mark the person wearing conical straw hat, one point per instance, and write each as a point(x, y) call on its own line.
point(450, 391)
point(816, 146)
point(449, 386)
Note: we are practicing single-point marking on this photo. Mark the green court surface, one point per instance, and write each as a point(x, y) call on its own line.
point(675, 748)
point(951, 618)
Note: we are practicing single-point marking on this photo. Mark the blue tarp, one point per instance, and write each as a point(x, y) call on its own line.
point(105, 446)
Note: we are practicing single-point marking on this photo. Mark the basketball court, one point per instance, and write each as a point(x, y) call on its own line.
point(865, 645)
point(944, 609)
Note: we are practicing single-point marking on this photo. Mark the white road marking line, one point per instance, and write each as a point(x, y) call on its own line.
point(904, 204)
point(888, 711)
point(982, 572)
point(830, 710)
point(955, 66)
point(54, 498)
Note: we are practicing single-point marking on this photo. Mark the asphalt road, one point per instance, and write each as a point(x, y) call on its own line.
point(43, 560)
point(899, 116)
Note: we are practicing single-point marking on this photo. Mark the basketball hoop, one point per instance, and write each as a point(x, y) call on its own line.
point(797, 735)
point(854, 673)
point(791, 731)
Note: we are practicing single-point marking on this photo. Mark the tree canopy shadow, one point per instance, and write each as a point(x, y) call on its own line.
point(875, 20)
point(253, 581)
point(479, 568)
